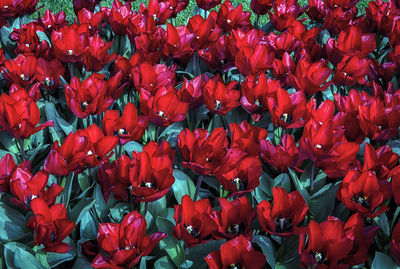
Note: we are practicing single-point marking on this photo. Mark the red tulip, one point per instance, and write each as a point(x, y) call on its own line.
point(285, 13)
point(381, 161)
point(191, 91)
point(128, 127)
point(71, 42)
point(12, 8)
point(395, 243)
point(255, 93)
point(327, 244)
point(242, 178)
point(49, 72)
point(281, 156)
point(247, 137)
point(254, 61)
point(207, 4)
point(231, 18)
point(260, 7)
point(25, 187)
point(124, 244)
point(21, 70)
point(236, 253)
point(50, 226)
point(164, 108)
point(234, 218)
point(19, 115)
point(7, 168)
point(206, 31)
point(220, 98)
point(363, 193)
point(287, 110)
point(152, 177)
point(97, 57)
point(159, 10)
point(194, 224)
point(93, 95)
point(151, 77)
point(284, 215)
point(351, 70)
point(118, 16)
point(177, 43)
point(87, 4)
point(53, 21)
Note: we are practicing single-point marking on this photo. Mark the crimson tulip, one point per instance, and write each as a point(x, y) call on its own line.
point(194, 223)
point(19, 115)
point(236, 253)
point(234, 218)
point(247, 137)
point(128, 127)
point(50, 226)
point(287, 211)
point(7, 168)
point(124, 244)
point(21, 70)
point(206, 31)
point(97, 57)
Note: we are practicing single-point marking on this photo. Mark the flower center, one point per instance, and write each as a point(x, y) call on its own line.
point(362, 200)
point(161, 114)
point(320, 257)
point(148, 185)
point(70, 52)
point(235, 229)
point(192, 230)
point(235, 266)
point(84, 105)
point(283, 225)
point(240, 185)
point(218, 104)
point(286, 117)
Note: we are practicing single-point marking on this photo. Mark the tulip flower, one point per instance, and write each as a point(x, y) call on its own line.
point(128, 127)
point(194, 223)
point(281, 156)
point(7, 168)
point(287, 211)
point(53, 21)
point(395, 243)
point(236, 253)
point(87, 4)
point(124, 244)
point(220, 98)
point(19, 115)
point(363, 193)
point(247, 137)
point(260, 7)
point(21, 70)
point(70, 43)
point(50, 226)
point(231, 18)
point(97, 57)
point(234, 218)
point(206, 31)
point(49, 72)
point(93, 95)
point(191, 91)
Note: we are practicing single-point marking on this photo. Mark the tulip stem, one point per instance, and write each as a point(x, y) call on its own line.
point(312, 177)
point(21, 144)
point(198, 184)
point(146, 205)
point(257, 20)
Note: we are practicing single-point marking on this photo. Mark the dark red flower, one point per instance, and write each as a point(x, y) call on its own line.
point(254, 60)
point(50, 226)
point(164, 108)
point(124, 244)
point(351, 70)
point(160, 11)
point(194, 224)
point(234, 218)
point(362, 239)
point(49, 72)
point(327, 244)
point(115, 178)
point(177, 42)
point(363, 193)
point(128, 127)
point(87, 4)
point(395, 243)
point(311, 77)
point(191, 91)
point(19, 115)
point(12, 8)
point(255, 93)
point(247, 137)
point(50, 20)
point(71, 42)
point(20, 70)
point(97, 57)
point(236, 253)
point(231, 18)
point(287, 110)
point(89, 249)
point(207, 4)
point(381, 161)
point(7, 168)
point(93, 95)
point(287, 211)
point(152, 177)
point(260, 7)
point(285, 13)
point(118, 16)
point(241, 178)
point(205, 153)
point(281, 156)
point(151, 77)
point(25, 187)
point(94, 20)
point(206, 31)
point(220, 98)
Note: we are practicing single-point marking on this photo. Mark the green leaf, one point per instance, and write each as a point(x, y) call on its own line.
point(199, 252)
point(143, 261)
point(88, 227)
point(9, 252)
point(299, 186)
point(170, 134)
point(23, 259)
point(42, 36)
point(164, 263)
point(323, 202)
point(12, 223)
point(383, 261)
point(60, 125)
point(82, 263)
point(133, 146)
point(283, 181)
point(80, 209)
point(66, 193)
point(54, 259)
point(170, 244)
point(288, 251)
point(183, 185)
point(100, 205)
point(383, 222)
point(267, 248)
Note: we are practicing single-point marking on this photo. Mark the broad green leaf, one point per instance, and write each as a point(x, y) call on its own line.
point(382, 261)
point(12, 223)
point(9, 252)
point(170, 244)
point(82, 263)
point(267, 248)
point(183, 185)
point(323, 202)
point(23, 259)
point(164, 263)
point(88, 226)
point(100, 205)
point(299, 186)
point(54, 259)
point(133, 146)
point(80, 209)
